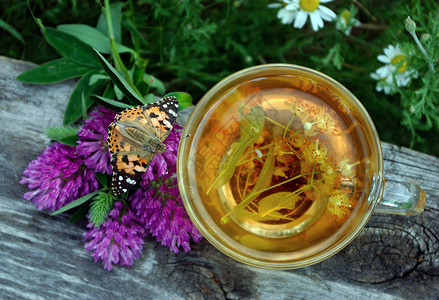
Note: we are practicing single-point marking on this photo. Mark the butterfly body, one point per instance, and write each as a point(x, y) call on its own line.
point(135, 136)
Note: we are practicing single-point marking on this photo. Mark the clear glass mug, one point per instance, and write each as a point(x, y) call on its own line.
point(303, 109)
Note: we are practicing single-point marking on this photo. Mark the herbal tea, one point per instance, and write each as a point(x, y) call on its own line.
point(281, 168)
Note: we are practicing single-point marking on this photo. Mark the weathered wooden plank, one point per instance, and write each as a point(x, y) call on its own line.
point(43, 256)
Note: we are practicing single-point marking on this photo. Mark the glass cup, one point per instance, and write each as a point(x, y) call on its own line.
point(282, 167)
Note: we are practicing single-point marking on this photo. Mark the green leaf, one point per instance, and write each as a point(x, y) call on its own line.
point(92, 37)
point(118, 80)
point(74, 106)
point(70, 47)
point(11, 30)
point(184, 99)
point(96, 77)
point(57, 133)
point(155, 83)
point(139, 69)
point(102, 178)
point(71, 140)
point(109, 92)
point(334, 57)
point(83, 106)
point(251, 120)
point(245, 214)
point(53, 71)
point(150, 98)
point(116, 18)
point(75, 203)
point(119, 94)
point(137, 37)
point(100, 208)
point(79, 214)
point(99, 99)
point(277, 201)
point(142, 87)
point(66, 135)
point(436, 123)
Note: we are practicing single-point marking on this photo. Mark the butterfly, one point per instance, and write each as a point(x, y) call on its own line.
point(135, 136)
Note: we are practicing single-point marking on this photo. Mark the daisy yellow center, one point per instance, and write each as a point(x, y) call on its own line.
point(397, 60)
point(309, 5)
point(346, 15)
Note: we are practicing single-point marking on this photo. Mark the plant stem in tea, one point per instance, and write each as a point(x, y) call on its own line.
point(251, 129)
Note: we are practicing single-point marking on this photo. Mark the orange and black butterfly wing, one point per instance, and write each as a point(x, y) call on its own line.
point(128, 170)
point(131, 157)
point(162, 115)
point(128, 157)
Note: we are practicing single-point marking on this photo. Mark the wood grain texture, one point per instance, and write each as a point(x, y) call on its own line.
point(42, 257)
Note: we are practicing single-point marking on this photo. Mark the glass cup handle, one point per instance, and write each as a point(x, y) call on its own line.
point(401, 198)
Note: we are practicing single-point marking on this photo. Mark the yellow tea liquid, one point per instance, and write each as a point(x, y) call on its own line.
point(280, 169)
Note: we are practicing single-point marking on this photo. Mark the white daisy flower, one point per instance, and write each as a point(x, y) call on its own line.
point(288, 11)
point(299, 11)
point(345, 21)
point(395, 70)
point(385, 84)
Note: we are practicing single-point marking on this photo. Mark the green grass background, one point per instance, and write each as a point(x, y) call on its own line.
point(191, 45)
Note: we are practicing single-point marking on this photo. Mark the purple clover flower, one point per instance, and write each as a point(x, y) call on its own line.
point(64, 173)
point(57, 177)
point(161, 212)
point(164, 163)
point(92, 145)
point(118, 240)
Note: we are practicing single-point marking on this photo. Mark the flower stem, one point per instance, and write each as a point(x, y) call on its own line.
point(312, 174)
point(418, 43)
point(410, 25)
point(288, 126)
point(250, 197)
point(294, 151)
point(248, 177)
point(274, 122)
point(114, 53)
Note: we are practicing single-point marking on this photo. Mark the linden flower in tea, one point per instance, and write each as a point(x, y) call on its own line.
point(279, 164)
point(279, 173)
